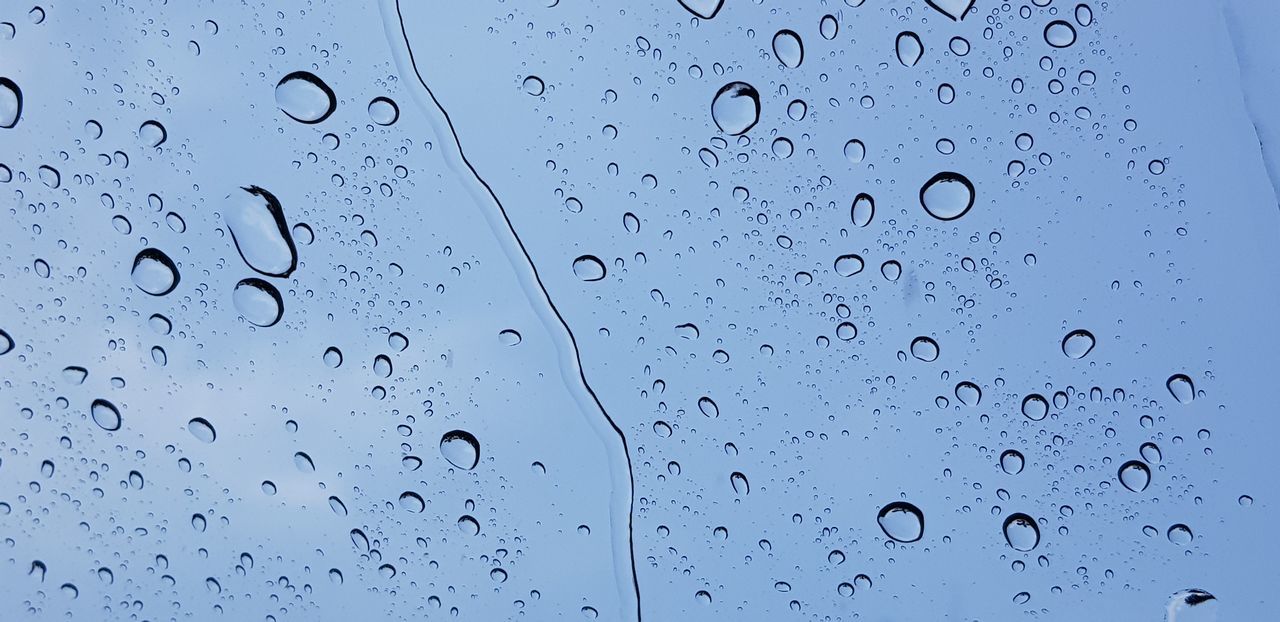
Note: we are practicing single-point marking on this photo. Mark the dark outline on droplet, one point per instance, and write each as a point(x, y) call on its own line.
point(954, 19)
point(109, 406)
point(310, 78)
point(1074, 35)
point(277, 214)
point(537, 278)
point(394, 107)
point(900, 506)
point(753, 94)
point(17, 114)
point(1019, 516)
point(774, 46)
point(466, 437)
point(897, 42)
point(157, 255)
point(270, 290)
point(949, 176)
point(164, 133)
point(714, 12)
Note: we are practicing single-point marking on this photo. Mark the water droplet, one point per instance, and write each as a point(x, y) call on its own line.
point(386, 571)
point(891, 270)
point(708, 407)
point(782, 148)
point(260, 233)
point(384, 111)
point(106, 576)
point(198, 522)
point(706, 9)
point(788, 48)
point(1077, 344)
point(304, 462)
point(10, 103)
point(909, 48)
point(1084, 15)
point(268, 488)
point(589, 268)
point(509, 337)
point(959, 46)
point(736, 108)
point(1022, 598)
point(105, 414)
point(846, 331)
point(829, 27)
point(6, 343)
point(703, 597)
point(1180, 534)
point(468, 525)
point(848, 265)
point(955, 9)
point(1150, 452)
point(498, 575)
point(70, 590)
point(335, 576)
point(332, 357)
point(1181, 387)
point(412, 502)
point(925, 349)
point(947, 196)
point(863, 210)
point(533, 85)
point(154, 273)
point(74, 374)
point(152, 133)
point(1059, 34)
point(258, 302)
point(1134, 475)
point(855, 151)
point(382, 366)
point(739, 483)
point(49, 176)
point(200, 428)
point(461, 449)
point(398, 341)
point(305, 97)
point(901, 521)
point(1021, 532)
point(968, 393)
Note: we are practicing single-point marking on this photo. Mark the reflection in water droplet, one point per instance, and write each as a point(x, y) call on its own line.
point(1150, 452)
point(1012, 462)
point(740, 484)
point(947, 196)
point(412, 502)
point(1035, 407)
point(1077, 344)
point(829, 27)
point(925, 349)
point(468, 525)
point(968, 393)
point(1180, 534)
point(105, 414)
point(305, 97)
point(589, 268)
point(258, 302)
point(154, 273)
point(384, 111)
point(788, 48)
point(901, 521)
point(202, 430)
point(533, 85)
point(736, 108)
point(1134, 475)
point(848, 265)
point(708, 407)
point(303, 462)
point(260, 233)
point(332, 357)
point(10, 103)
point(909, 48)
point(1181, 387)
point(461, 449)
point(1059, 34)
point(1021, 532)
point(863, 210)
point(855, 151)
point(152, 133)
point(706, 9)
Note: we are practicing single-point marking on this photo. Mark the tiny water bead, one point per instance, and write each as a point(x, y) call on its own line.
point(1059, 34)
point(258, 302)
point(788, 48)
point(1035, 407)
point(105, 414)
point(10, 103)
point(384, 111)
point(154, 273)
point(1134, 475)
point(901, 521)
point(1181, 387)
point(200, 428)
point(1077, 344)
point(1021, 532)
point(925, 349)
point(461, 449)
point(589, 268)
point(735, 109)
point(305, 97)
point(947, 196)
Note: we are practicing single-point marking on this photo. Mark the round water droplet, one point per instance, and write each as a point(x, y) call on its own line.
point(909, 48)
point(947, 196)
point(589, 268)
point(848, 265)
point(901, 521)
point(1077, 344)
point(1021, 532)
point(736, 108)
point(305, 97)
point(959, 46)
point(846, 331)
point(829, 27)
point(1181, 387)
point(925, 349)
point(891, 270)
point(105, 414)
point(855, 151)
point(1059, 34)
point(1035, 407)
point(412, 502)
point(1012, 462)
point(788, 48)
point(332, 357)
point(461, 449)
point(154, 273)
point(968, 393)
point(258, 302)
point(863, 210)
point(260, 233)
point(1134, 475)
point(533, 85)
point(739, 483)
point(1180, 534)
point(10, 103)
point(384, 111)
point(152, 133)
point(202, 430)
point(782, 148)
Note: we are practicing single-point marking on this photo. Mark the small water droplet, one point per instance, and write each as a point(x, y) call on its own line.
point(788, 48)
point(332, 357)
point(901, 521)
point(1012, 462)
point(154, 273)
point(509, 337)
point(968, 393)
point(1021, 532)
point(468, 525)
point(1134, 475)
point(1150, 452)
point(73, 373)
point(947, 196)
point(461, 449)
point(258, 302)
point(1180, 534)
point(739, 483)
point(829, 27)
point(708, 407)
point(305, 97)
point(533, 85)
point(589, 268)
point(855, 151)
point(1077, 344)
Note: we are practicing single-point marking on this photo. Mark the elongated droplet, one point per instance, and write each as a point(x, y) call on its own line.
point(200, 428)
point(304, 462)
point(105, 414)
point(788, 48)
point(305, 97)
point(739, 483)
point(848, 265)
point(260, 233)
point(1181, 387)
point(461, 449)
point(1021, 532)
point(901, 521)
point(968, 393)
point(154, 273)
point(909, 48)
point(863, 210)
point(258, 302)
point(736, 108)
point(947, 196)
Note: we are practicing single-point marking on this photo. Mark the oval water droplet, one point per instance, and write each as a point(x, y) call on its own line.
point(1181, 387)
point(863, 210)
point(1059, 34)
point(384, 111)
point(382, 366)
point(1035, 407)
point(968, 393)
point(1134, 475)
point(739, 483)
point(1012, 462)
point(909, 48)
point(736, 108)
point(947, 195)
point(154, 273)
point(829, 27)
point(200, 428)
point(258, 302)
point(105, 414)
point(855, 151)
point(1151, 453)
point(198, 522)
point(708, 407)
point(901, 521)
point(1077, 344)
point(152, 133)
point(305, 97)
point(1021, 532)
point(848, 265)
point(412, 502)
point(260, 233)
point(925, 349)
point(788, 48)
point(461, 449)
point(589, 268)
point(10, 103)
point(533, 85)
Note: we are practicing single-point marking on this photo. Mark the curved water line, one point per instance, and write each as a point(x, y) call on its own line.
point(531, 282)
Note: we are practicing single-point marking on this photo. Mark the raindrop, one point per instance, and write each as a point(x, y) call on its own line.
point(412, 502)
point(736, 108)
point(925, 349)
point(154, 273)
point(968, 393)
point(1077, 344)
point(863, 209)
point(260, 233)
point(829, 27)
point(1059, 34)
point(1181, 387)
point(509, 337)
point(461, 449)
point(589, 268)
point(468, 525)
point(1151, 453)
point(855, 151)
point(708, 407)
point(152, 133)
point(10, 103)
point(202, 430)
point(901, 521)
point(955, 9)
point(740, 484)
point(305, 97)
point(782, 148)
point(382, 365)
point(105, 414)
point(909, 48)
point(1134, 475)
point(1035, 407)
point(706, 9)
point(947, 196)
point(891, 270)
point(74, 374)
point(1180, 534)
point(848, 265)
point(332, 357)
point(788, 48)
point(846, 331)
point(1021, 532)
point(258, 302)
point(383, 111)
point(959, 46)
point(6, 342)
point(1084, 15)
point(533, 85)
point(1011, 461)
point(304, 462)
point(198, 522)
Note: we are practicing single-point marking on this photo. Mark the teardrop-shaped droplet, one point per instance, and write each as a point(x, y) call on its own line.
point(863, 210)
point(154, 273)
point(1181, 388)
point(901, 521)
point(1134, 475)
point(828, 27)
point(1035, 407)
point(706, 9)
point(909, 48)
point(848, 265)
point(260, 233)
point(1151, 453)
point(947, 196)
point(10, 103)
point(739, 483)
point(1077, 344)
point(589, 268)
point(708, 407)
point(412, 502)
point(384, 111)
point(305, 97)
point(1021, 532)
point(152, 133)
point(1059, 34)
point(968, 393)
point(258, 302)
point(1012, 462)
point(925, 349)
point(788, 48)
point(736, 108)
point(461, 449)
point(200, 428)
point(105, 414)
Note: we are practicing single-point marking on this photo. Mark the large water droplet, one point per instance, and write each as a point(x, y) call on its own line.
point(1077, 344)
point(1180, 534)
point(152, 133)
point(788, 48)
point(828, 27)
point(855, 151)
point(258, 301)
point(1035, 407)
point(10, 103)
point(1021, 532)
point(1059, 34)
point(706, 9)
point(1134, 475)
point(968, 393)
point(332, 357)
point(925, 349)
point(1012, 462)
point(461, 449)
point(1181, 387)
point(384, 111)
point(305, 97)
point(947, 196)
point(589, 268)
point(901, 521)
point(105, 414)
point(1151, 453)
point(412, 502)
point(848, 265)
point(468, 525)
point(200, 428)
point(736, 108)
point(739, 483)
point(863, 210)
point(909, 48)
point(154, 273)
point(303, 462)
point(260, 233)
